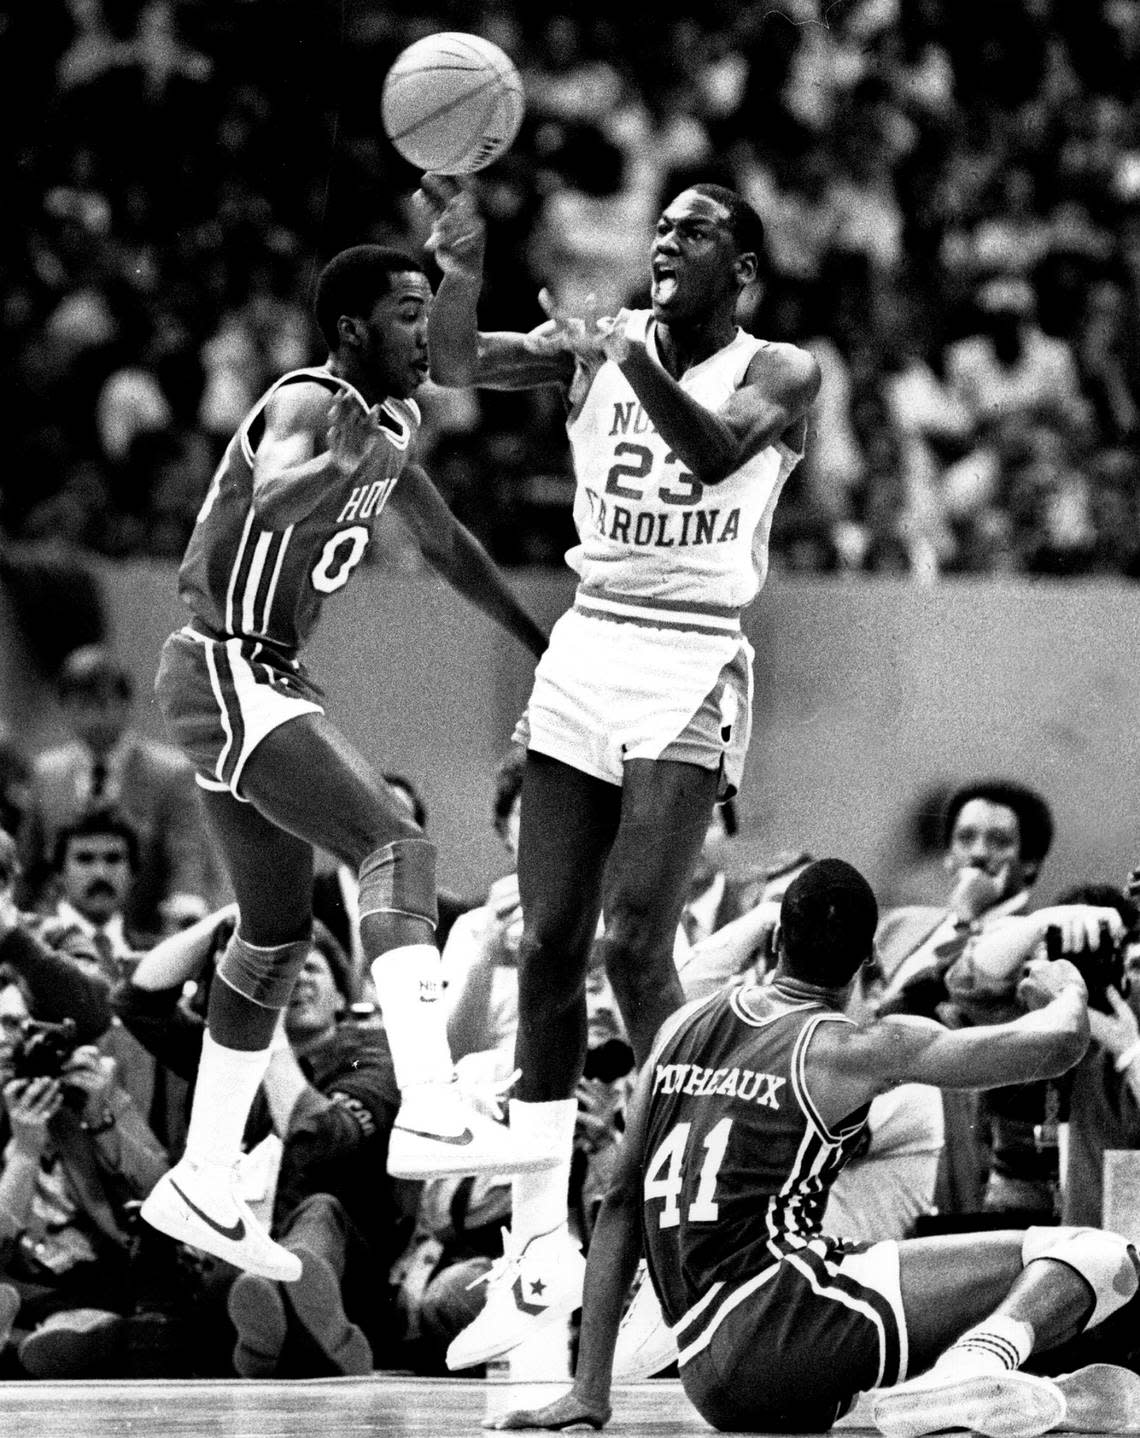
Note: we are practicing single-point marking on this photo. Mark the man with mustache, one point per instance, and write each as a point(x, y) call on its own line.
point(95, 861)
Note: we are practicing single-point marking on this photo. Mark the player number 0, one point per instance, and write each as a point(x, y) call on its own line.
point(331, 571)
point(665, 1176)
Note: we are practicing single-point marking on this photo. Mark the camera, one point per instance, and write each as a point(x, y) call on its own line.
point(1100, 967)
point(42, 1049)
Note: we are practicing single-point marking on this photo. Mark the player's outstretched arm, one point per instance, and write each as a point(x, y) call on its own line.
point(453, 550)
point(1042, 1043)
point(461, 355)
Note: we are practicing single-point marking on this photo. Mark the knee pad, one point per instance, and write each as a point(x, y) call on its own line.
point(264, 976)
point(399, 878)
point(1105, 1261)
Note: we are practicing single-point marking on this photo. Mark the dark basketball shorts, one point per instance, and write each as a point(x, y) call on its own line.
point(789, 1350)
point(221, 697)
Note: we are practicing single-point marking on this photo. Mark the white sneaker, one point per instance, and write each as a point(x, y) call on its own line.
point(528, 1289)
point(1010, 1404)
point(438, 1132)
point(1101, 1398)
point(645, 1343)
point(200, 1206)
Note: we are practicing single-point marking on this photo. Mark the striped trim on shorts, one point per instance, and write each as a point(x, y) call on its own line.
point(220, 697)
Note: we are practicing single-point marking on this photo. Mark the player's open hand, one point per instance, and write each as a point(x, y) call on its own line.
point(458, 234)
point(589, 336)
point(568, 1414)
point(352, 434)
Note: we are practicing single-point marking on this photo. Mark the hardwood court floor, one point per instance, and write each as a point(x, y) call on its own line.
point(396, 1407)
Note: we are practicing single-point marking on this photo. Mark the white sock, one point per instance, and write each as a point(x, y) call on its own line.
point(410, 989)
point(227, 1084)
point(541, 1201)
point(995, 1345)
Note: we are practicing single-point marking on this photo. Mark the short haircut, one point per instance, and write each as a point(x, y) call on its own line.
point(419, 808)
point(93, 669)
point(508, 786)
point(96, 823)
point(352, 282)
point(827, 923)
point(1034, 817)
point(745, 224)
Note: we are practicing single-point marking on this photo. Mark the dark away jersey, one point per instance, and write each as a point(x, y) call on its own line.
point(239, 577)
point(738, 1161)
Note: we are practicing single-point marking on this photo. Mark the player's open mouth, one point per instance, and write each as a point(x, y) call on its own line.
point(664, 283)
point(421, 369)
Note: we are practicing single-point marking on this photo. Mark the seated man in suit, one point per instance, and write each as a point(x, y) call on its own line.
point(108, 762)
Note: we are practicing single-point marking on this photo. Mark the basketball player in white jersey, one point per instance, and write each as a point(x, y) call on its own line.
point(683, 430)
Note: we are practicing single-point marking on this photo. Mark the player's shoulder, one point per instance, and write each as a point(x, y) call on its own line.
point(790, 365)
point(302, 398)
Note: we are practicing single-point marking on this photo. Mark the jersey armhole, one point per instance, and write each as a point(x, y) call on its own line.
point(798, 1068)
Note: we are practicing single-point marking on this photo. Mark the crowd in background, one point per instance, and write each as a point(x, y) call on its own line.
point(113, 914)
point(952, 196)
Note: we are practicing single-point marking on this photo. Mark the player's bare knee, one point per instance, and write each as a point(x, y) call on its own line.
point(397, 893)
point(1106, 1262)
point(264, 975)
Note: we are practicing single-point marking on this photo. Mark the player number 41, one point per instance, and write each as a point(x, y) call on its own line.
point(665, 1174)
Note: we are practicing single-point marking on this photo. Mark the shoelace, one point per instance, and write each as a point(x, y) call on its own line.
point(502, 1270)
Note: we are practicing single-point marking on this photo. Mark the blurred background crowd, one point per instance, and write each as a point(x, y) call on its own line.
point(952, 196)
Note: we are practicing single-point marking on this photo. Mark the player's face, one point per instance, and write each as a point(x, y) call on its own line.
point(395, 351)
point(692, 259)
point(987, 836)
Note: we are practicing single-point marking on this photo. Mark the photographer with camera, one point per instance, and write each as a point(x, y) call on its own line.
point(61, 989)
point(76, 1161)
point(1104, 1088)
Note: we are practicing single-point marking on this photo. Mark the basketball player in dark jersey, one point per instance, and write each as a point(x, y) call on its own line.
point(751, 1104)
point(286, 522)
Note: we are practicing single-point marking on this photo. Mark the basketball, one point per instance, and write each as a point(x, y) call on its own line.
point(452, 103)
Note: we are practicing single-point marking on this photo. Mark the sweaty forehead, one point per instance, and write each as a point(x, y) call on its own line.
point(689, 205)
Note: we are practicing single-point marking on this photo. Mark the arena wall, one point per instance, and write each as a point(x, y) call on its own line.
point(868, 693)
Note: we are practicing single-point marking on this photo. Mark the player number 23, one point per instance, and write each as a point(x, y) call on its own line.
point(666, 1172)
point(637, 461)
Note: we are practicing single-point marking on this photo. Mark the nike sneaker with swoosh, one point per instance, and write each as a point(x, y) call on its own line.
point(198, 1204)
point(438, 1131)
point(532, 1286)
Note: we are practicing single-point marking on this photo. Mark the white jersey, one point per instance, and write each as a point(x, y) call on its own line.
point(650, 531)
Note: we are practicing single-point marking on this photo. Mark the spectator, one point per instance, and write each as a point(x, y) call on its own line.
point(94, 861)
point(109, 762)
point(329, 1098)
point(78, 1158)
point(1008, 364)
